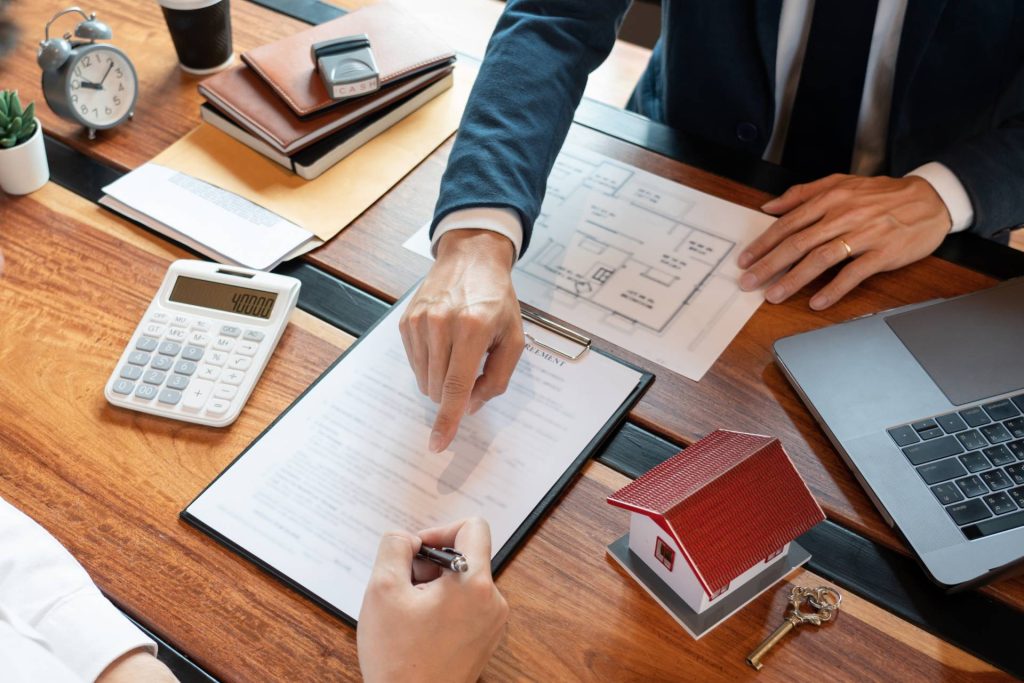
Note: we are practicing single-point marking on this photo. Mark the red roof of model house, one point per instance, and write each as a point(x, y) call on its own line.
point(729, 501)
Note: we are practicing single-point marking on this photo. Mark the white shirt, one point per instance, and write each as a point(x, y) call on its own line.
point(55, 625)
point(872, 121)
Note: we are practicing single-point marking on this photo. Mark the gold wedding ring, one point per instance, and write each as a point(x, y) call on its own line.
point(849, 249)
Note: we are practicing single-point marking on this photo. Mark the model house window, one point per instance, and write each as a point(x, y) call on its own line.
point(665, 554)
point(720, 591)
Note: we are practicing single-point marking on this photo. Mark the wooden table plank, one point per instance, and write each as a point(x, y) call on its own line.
point(744, 390)
point(109, 484)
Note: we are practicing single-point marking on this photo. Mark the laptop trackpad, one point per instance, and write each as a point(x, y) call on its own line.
point(973, 346)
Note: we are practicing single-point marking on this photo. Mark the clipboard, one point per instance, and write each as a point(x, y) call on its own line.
point(521, 533)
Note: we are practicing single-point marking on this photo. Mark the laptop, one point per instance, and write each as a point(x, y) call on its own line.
point(925, 403)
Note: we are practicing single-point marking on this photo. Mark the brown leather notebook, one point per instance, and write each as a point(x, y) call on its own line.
point(249, 101)
point(400, 46)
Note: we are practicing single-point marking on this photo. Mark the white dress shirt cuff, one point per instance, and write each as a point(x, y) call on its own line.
point(499, 219)
point(951, 191)
point(87, 633)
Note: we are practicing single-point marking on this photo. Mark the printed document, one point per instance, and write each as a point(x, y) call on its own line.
point(641, 261)
point(349, 461)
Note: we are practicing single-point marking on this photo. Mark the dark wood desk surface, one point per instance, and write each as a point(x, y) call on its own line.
point(744, 390)
point(109, 484)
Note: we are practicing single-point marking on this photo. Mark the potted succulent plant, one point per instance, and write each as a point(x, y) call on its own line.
point(23, 167)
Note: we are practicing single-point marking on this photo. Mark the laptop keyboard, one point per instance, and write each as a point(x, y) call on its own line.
point(973, 462)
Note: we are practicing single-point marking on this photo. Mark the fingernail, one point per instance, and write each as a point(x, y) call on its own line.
point(775, 294)
point(436, 439)
point(748, 281)
point(819, 301)
point(769, 203)
point(745, 259)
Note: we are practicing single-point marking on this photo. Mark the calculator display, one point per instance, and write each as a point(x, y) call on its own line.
point(222, 297)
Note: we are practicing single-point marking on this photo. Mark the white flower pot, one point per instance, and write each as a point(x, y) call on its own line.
point(23, 168)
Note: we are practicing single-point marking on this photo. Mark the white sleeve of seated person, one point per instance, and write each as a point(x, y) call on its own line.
point(49, 599)
point(951, 191)
point(499, 219)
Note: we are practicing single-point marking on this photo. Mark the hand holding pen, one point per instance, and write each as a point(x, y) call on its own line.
point(420, 622)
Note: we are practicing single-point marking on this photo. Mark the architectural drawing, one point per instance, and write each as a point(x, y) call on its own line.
point(635, 259)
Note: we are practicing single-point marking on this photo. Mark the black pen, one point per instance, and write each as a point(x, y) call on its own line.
point(445, 558)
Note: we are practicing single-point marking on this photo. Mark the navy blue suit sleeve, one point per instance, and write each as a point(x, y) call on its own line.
point(530, 83)
point(991, 166)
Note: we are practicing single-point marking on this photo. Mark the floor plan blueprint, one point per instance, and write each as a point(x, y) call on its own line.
point(643, 262)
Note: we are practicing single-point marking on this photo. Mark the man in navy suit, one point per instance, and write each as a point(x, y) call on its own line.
point(909, 112)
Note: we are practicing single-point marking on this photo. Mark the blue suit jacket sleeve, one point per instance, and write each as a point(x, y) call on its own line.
point(991, 166)
point(522, 103)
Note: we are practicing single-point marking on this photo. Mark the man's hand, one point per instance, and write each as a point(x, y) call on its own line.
point(465, 310)
point(134, 666)
point(887, 223)
point(421, 623)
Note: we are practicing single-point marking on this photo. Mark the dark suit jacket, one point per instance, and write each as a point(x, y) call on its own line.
point(958, 96)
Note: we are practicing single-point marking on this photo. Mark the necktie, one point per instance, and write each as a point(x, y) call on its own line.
point(823, 122)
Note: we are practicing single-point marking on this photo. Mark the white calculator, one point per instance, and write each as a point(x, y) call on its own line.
point(203, 342)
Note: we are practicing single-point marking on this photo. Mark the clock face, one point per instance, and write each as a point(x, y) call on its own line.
point(101, 86)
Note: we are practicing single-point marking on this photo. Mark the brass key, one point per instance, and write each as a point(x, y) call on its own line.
point(823, 600)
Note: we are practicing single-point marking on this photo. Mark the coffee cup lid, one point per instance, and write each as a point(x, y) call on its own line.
point(187, 4)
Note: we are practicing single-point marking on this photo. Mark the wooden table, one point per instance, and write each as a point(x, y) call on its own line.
point(109, 483)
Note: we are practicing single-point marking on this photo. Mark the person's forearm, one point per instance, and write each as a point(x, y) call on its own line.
point(522, 104)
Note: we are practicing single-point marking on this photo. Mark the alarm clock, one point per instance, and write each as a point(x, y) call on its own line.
point(85, 82)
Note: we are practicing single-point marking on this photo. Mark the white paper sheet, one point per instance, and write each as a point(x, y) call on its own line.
point(312, 497)
point(646, 263)
point(220, 224)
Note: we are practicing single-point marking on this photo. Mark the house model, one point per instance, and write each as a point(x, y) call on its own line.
point(713, 526)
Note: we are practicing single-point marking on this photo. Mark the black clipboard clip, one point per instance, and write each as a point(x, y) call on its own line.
point(542, 321)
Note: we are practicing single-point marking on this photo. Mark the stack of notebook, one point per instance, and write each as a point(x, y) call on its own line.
point(276, 103)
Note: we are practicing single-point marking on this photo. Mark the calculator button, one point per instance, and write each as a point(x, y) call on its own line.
point(225, 391)
point(146, 344)
point(185, 367)
point(154, 377)
point(180, 321)
point(253, 335)
point(201, 326)
point(161, 318)
point(195, 396)
point(217, 358)
point(217, 407)
point(230, 331)
point(233, 377)
point(138, 358)
point(178, 382)
point(170, 348)
point(123, 386)
point(192, 353)
point(132, 372)
point(170, 396)
point(176, 334)
point(199, 339)
point(239, 363)
point(223, 344)
point(153, 330)
point(146, 391)
point(209, 372)
point(162, 363)
point(247, 348)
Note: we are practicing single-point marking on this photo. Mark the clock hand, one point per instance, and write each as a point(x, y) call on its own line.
point(109, 67)
point(91, 86)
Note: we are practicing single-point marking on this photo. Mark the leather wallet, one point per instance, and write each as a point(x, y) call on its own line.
point(247, 100)
point(400, 46)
